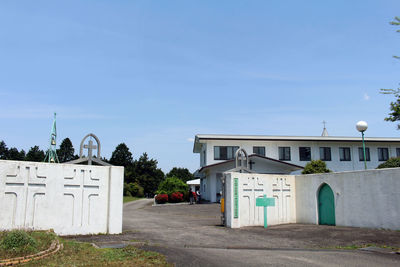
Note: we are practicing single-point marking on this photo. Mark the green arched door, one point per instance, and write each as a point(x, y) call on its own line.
point(326, 206)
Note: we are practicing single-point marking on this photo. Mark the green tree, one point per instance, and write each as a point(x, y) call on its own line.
point(315, 166)
point(35, 154)
point(394, 115)
point(14, 154)
point(3, 150)
point(390, 163)
point(172, 185)
point(145, 172)
point(182, 173)
point(66, 151)
point(121, 156)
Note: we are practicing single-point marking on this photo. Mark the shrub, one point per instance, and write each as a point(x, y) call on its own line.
point(161, 198)
point(133, 190)
point(18, 241)
point(315, 166)
point(176, 197)
point(172, 185)
point(390, 163)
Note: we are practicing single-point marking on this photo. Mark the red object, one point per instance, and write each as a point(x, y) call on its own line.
point(162, 198)
point(176, 197)
point(194, 196)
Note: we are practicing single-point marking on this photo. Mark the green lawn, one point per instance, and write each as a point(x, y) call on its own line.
point(129, 199)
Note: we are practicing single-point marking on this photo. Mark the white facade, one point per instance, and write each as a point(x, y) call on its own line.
point(71, 199)
point(205, 146)
point(361, 198)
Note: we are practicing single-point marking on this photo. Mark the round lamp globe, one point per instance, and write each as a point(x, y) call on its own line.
point(362, 126)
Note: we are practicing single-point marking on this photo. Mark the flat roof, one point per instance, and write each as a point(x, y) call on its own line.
point(200, 137)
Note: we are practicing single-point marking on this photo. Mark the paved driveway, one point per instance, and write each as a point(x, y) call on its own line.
point(190, 235)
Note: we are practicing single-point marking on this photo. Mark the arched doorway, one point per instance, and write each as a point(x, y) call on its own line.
point(326, 205)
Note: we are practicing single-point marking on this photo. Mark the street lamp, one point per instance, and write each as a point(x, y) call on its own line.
point(362, 126)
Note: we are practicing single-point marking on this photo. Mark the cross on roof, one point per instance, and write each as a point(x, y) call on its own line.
point(90, 148)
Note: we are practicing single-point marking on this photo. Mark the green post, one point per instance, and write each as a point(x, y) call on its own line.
point(365, 158)
point(265, 202)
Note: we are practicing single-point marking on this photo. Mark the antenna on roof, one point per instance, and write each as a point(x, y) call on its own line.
point(324, 132)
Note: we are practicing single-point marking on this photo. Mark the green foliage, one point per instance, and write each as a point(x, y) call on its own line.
point(172, 185)
point(133, 190)
point(18, 240)
point(66, 151)
point(315, 166)
point(35, 154)
point(145, 172)
point(181, 173)
point(14, 154)
point(121, 156)
point(3, 150)
point(390, 163)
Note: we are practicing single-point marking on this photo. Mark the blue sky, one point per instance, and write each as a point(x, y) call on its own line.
point(153, 74)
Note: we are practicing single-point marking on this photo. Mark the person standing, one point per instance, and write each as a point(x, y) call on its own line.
point(190, 196)
point(198, 196)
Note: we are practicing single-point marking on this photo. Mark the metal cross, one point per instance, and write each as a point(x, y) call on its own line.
point(265, 202)
point(90, 148)
point(251, 163)
point(324, 122)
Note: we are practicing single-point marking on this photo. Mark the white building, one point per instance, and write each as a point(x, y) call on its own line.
point(286, 154)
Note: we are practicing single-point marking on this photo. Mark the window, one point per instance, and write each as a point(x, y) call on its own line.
point(344, 153)
point(383, 153)
point(284, 153)
point(305, 153)
point(397, 152)
point(361, 154)
point(225, 152)
point(259, 150)
point(325, 153)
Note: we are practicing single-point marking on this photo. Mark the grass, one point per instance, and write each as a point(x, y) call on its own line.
point(83, 254)
point(42, 241)
point(129, 199)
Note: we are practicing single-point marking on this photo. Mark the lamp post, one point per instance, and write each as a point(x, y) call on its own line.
point(362, 126)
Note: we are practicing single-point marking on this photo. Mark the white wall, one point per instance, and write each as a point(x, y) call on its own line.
point(362, 198)
point(71, 199)
point(271, 150)
point(252, 186)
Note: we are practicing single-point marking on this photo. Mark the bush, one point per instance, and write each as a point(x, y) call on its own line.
point(18, 241)
point(133, 190)
point(172, 185)
point(315, 166)
point(161, 198)
point(176, 197)
point(390, 163)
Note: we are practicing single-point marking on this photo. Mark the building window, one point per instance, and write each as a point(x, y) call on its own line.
point(361, 154)
point(344, 153)
point(383, 153)
point(225, 152)
point(259, 150)
point(398, 152)
point(325, 153)
point(305, 153)
point(284, 153)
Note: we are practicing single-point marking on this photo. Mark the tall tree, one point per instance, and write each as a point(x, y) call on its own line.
point(3, 150)
point(66, 151)
point(145, 172)
point(121, 156)
point(35, 154)
point(182, 173)
point(394, 106)
point(14, 154)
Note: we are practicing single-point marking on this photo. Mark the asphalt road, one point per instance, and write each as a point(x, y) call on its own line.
point(190, 235)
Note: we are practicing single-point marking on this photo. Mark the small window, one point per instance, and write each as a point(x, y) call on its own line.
point(325, 153)
point(398, 152)
point(259, 150)
point(225, 152)
point(305, 153)
point(361, 154)
point(284, 153)
point(344, 153)
point(383, 153)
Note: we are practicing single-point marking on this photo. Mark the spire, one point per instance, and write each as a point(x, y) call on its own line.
point(324, 132)
point(51, 155)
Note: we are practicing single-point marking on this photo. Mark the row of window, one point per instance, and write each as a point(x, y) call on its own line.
point(228, 152)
